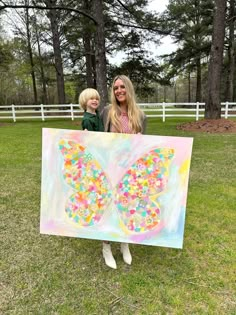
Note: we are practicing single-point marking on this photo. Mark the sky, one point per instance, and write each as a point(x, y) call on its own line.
point(166, 46)
point(158, 5)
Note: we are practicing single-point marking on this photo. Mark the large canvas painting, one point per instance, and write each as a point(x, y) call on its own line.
point(117, 187)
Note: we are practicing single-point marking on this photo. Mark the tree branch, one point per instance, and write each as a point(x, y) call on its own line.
point(145, 28)
point(137, 26)
point(6, 6)
point(125, 7)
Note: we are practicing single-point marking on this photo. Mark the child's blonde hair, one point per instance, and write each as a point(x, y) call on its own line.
point(86, 95)
point(134, 113)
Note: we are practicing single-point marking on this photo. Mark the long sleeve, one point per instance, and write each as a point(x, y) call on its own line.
point(86, 124)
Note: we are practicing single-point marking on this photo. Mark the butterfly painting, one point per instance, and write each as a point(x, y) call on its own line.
point(114, 186)
point(146, 177)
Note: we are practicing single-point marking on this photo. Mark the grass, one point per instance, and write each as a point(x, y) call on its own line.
point(43, 274)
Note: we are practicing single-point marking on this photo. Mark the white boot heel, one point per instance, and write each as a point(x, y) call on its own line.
point(107, 255)
point(124, 248)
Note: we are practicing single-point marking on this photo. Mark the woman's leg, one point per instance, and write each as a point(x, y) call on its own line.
point(124, 248)
point(107, 255)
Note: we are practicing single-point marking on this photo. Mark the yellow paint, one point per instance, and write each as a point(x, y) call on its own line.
point(183, 171)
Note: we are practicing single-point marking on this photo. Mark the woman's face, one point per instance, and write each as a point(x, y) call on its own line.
point(120, 91)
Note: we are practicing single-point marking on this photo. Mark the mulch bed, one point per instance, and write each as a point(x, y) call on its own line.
point(210, 126)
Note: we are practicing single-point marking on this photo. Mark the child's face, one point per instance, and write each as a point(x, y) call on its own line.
point(92, 104)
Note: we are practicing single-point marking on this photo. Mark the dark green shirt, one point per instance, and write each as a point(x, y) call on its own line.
point(92, 122)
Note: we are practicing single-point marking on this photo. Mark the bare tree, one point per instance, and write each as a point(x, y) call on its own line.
point(53, 17)
point(28, 33)
point(53, 9)
point(37, 35)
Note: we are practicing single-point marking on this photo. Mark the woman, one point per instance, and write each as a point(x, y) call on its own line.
point(122, 116)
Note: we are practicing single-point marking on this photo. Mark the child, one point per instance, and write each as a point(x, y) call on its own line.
point(89, 101)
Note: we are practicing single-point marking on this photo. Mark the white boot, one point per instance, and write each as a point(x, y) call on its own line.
point(124, 248)
point(107, 254)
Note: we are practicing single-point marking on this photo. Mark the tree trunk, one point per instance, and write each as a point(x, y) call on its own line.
point(231, 54)
point(189, 86)
point(199, 80)
point(213, 103)
point(100, 52)
point(175, 92)
point(31, 57)
point(90, 72)
point(157, 94)
point(198, 58)
point(45, 97)
point(164, 93)
point(52, 14)
point(89, 52)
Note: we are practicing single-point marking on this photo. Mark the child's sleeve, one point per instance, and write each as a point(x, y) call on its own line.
point(86, 124)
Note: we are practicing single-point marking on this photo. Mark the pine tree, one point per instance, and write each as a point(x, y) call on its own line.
point(189, 24)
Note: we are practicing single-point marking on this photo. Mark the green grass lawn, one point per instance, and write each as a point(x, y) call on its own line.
point(43, 274)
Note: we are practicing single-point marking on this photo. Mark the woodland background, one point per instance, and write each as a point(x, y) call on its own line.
point(58, 48)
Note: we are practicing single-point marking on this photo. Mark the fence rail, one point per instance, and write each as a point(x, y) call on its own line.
point(72, 111)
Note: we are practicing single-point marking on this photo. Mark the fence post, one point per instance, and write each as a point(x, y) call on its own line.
point(71, 110)
point(226, 110)
point(13, 112)
point(42, 112)
point(197, 111)
point(163, 112)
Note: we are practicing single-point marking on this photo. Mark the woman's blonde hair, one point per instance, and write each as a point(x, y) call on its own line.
point(134, 113)
point(86, 95)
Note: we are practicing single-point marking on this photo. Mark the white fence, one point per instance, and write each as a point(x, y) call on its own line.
point(72, 111)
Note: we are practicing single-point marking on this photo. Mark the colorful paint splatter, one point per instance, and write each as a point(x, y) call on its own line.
point(146, 177)
point(83, 173)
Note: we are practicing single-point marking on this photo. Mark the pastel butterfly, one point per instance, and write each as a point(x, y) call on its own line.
point(134, 195)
